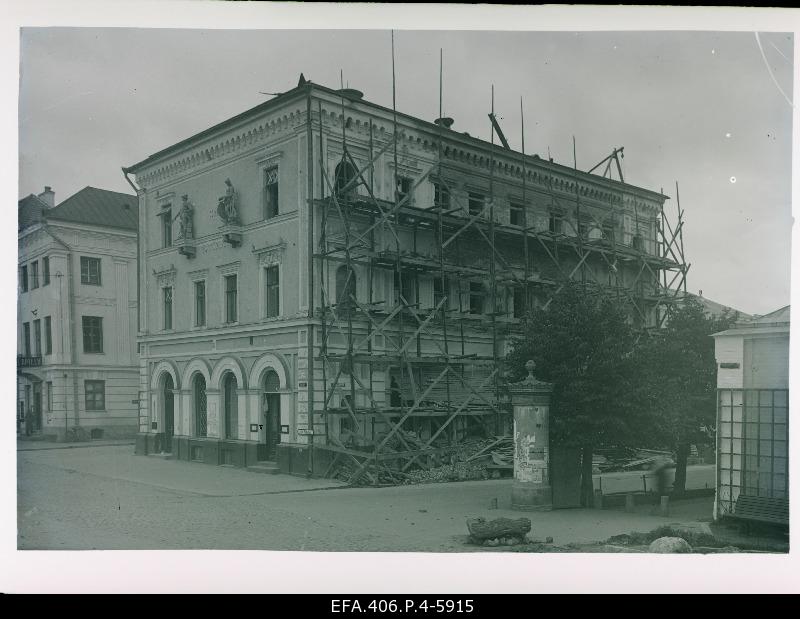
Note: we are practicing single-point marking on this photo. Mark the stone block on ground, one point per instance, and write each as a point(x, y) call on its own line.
point(481, 529)
point(670, 545)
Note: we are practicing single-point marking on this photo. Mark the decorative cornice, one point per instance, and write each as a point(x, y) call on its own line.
point(269, 159)
point(272, 254)
point(166, 276)
point(198, 274)
point(165, 198)
point(224, 147)
point(229, 268)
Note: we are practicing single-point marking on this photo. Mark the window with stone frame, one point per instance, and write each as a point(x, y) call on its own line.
point(48, 336)
point(555, 222)
point(23, 278)
point(477, 298)
point(90, 271)
point(45, 271)
point(200, 303)
point(37, 337)
point(404, 188)
point(271, 208)
point(441, 195)
point(440, 290)
point(476, 201)
point(231, 298)
point(95, 394)
point(272, 296)
point(516, 213)
point(92, 334)
point(166, 226)
point(35, 274)
point(166, 293)
point(26, 338)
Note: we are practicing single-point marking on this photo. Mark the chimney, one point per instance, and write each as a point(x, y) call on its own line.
point(48, 196)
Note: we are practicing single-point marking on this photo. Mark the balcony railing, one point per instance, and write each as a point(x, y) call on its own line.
point(24, 361)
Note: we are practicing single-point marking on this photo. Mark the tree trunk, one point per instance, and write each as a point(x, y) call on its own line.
point(682, 456)
point(587, 483)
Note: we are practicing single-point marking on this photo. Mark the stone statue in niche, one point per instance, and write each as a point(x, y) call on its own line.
point(227, 208)
point(185, 218)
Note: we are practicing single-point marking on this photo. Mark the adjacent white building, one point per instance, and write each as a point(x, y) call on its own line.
point(752, 410)
point(76, 308)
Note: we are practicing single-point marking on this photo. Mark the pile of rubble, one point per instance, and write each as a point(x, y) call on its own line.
point(471, 459)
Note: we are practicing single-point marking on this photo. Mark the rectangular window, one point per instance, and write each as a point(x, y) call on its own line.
point(166, 227)
point(49, 397)
point(608, 232)
point(440, 291)
point(230, 298)
point(441, 196)
point(583, 228)
point(476, 298)
point(519, 302)
point(271, 291)
point(404, 185)
point(516, 214)
point(26, 338)
point(23, 278)
point(476, 202)
point(35, 274)
point(409, 288)
point(200, 304)
point(556, 223)
point(167, 295)
point(92, 334)
point(90, 271)
point(37, 338)
point(48, 336)
point(95, 395)
point(45, 271)
point(271, 193)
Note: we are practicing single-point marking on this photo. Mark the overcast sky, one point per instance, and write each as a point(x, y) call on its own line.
point(706, 109)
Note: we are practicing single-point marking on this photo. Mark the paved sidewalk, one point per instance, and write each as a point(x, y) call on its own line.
point(37, 445)
point(119, 463)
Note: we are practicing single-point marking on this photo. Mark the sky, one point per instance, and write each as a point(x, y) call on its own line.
point(710, 110)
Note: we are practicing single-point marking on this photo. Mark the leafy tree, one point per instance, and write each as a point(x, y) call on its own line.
point(583, 343)
point(679, 372)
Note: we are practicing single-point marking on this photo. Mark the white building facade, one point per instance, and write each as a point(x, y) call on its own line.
point(76, 307)
point(752, 410)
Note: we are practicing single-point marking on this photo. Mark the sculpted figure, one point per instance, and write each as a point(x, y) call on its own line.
point(186, 216)
point(227, 207)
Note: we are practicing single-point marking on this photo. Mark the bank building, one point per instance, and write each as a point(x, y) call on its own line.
point(325, 282)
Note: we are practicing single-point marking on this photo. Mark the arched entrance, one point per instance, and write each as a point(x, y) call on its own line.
point(271, 409)
point(230, 405)
point(169, 413)
point(200, 405)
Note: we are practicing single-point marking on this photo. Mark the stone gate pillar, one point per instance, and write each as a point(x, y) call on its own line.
point(530, 399)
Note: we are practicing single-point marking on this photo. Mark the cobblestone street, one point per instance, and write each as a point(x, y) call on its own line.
point(104, 497)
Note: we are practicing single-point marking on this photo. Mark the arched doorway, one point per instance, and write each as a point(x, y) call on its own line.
point(230, 405)
point(271, 408)
point(169, 413)
point(200, 405)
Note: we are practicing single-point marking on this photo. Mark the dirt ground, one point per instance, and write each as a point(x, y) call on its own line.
point(104, 497)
